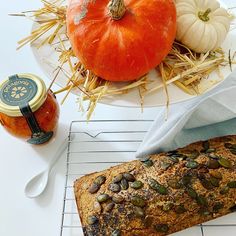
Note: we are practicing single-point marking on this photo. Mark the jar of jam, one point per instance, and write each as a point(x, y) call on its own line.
point(26, 109)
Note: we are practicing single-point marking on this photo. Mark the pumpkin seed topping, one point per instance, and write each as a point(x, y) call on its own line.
point(162, 228)
point(192, 164)
point(100, 180)
point(233, 146)
point(114, 188)
point(171, 153)
point(139, 212)
point(109, 207)
point(94, 188)
point(174, 183)
point(180, 209)
point(216, 174)
point(206, 146)
point(202, 201)
point(204, 212)
point(162, 190)
point(103, 198)
point(226, 139)
point(218, 206)
point(210, 150)
point(233, 151)
point(136, 185)
point(97, 207)
point(124, 184)
point(91, 220)
point(214, 181)
point(116, 232)
point(117, 199)
point(213, 156)
point(167, 206)
point(173, 159)
point(180, 156)
point(157, 187)
point(118, 178)
point(206, 183)
point(225, 163)
point(224, 190)
point(191, 192)
point(138, 201)
point(129, 177)
point(97, 184)
point(186, 180)
point(213, 164)
point(228, 145)
point(165, 165)
point(148, 163)
point(232, 184)
point(194, 154)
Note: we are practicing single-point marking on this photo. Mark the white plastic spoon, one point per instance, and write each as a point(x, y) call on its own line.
point(38, 183)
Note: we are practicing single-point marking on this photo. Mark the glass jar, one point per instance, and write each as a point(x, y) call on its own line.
point(27, 111)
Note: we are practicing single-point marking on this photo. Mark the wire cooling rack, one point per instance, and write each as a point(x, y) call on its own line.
point(100, 144)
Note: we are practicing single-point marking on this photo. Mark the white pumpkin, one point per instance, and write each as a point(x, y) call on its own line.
point(202, 25)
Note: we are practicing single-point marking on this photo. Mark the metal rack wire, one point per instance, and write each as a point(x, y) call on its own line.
point(100, 144)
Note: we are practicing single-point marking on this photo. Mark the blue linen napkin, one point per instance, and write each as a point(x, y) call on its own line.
point(207, 116)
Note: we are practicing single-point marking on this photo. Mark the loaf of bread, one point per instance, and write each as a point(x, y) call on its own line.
point(166, 193)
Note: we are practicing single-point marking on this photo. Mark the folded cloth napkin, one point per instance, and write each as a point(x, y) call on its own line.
point(207, 116)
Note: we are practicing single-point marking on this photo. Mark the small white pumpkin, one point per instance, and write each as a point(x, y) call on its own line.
point(202, 25)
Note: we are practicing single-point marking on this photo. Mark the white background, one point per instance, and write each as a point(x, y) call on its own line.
point(20, 161)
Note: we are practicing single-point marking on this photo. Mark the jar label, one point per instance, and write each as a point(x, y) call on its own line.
point(18, 91)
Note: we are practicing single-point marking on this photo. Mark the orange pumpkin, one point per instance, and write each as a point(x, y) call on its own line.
point(121, 40)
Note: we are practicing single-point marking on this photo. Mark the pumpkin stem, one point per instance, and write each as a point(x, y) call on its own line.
point(204, 16)
point(117, 9)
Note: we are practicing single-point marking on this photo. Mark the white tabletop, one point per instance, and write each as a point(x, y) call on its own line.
point(19, 161)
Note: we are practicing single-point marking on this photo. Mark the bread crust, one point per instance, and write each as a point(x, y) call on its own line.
point(193, 185)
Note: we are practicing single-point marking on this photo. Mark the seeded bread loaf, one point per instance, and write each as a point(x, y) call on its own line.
point(167, 193)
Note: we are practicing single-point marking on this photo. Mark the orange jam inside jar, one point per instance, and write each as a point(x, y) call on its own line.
point(27, 111)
